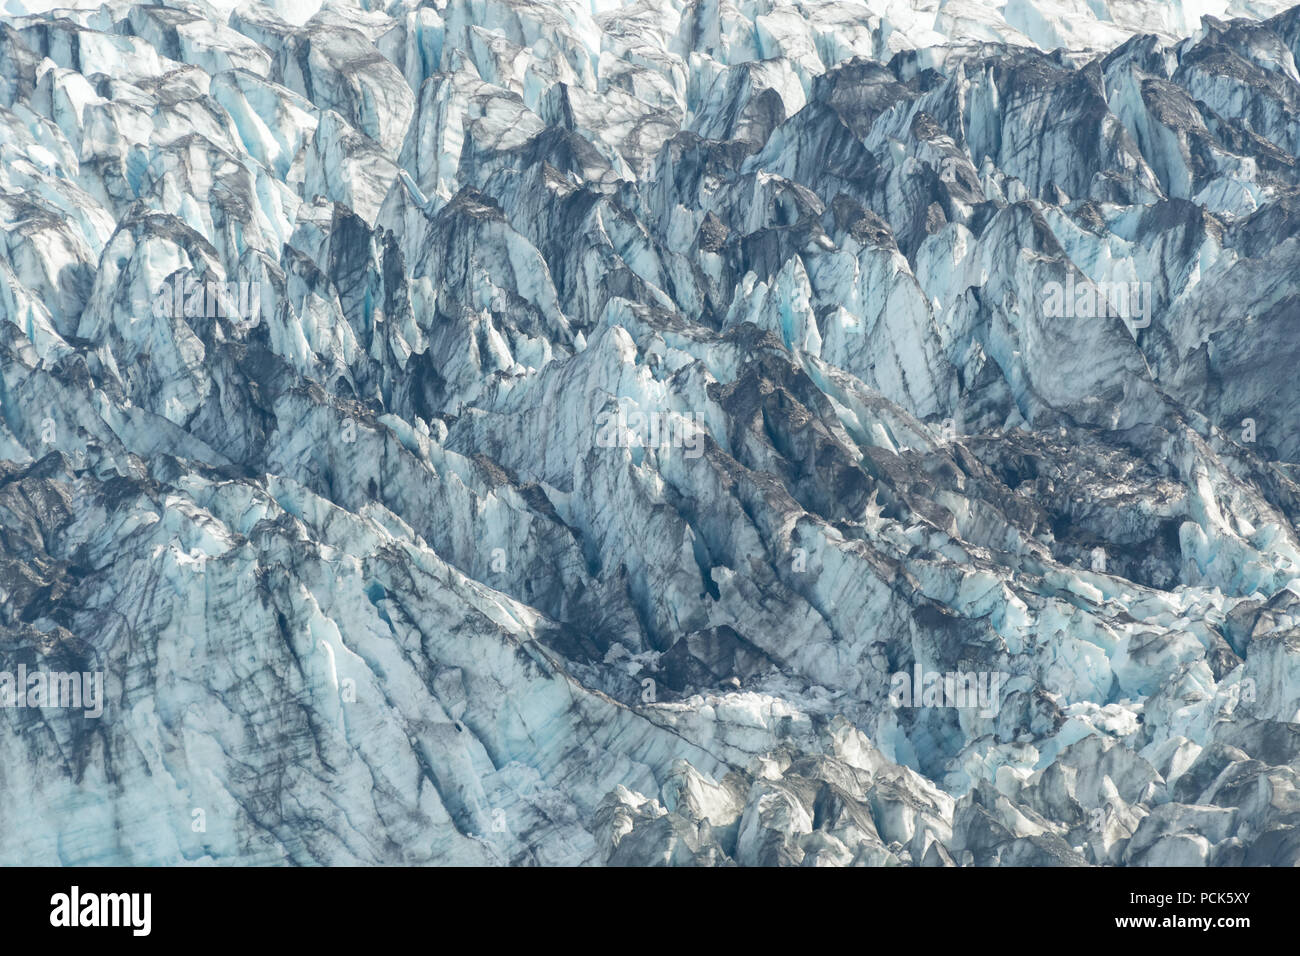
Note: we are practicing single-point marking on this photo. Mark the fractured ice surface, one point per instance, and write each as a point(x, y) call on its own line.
point(370, 580)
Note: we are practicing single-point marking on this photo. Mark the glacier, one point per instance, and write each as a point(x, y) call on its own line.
point(592, 413)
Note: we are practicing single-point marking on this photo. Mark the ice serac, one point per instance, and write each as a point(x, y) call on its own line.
point(668, 433)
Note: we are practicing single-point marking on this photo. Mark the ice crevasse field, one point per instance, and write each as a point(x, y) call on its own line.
point(506, 431)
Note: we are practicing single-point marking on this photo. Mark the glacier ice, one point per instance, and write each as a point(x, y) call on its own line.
point(628, 396)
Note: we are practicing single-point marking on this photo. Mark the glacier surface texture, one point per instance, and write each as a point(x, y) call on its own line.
point(693, 432)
